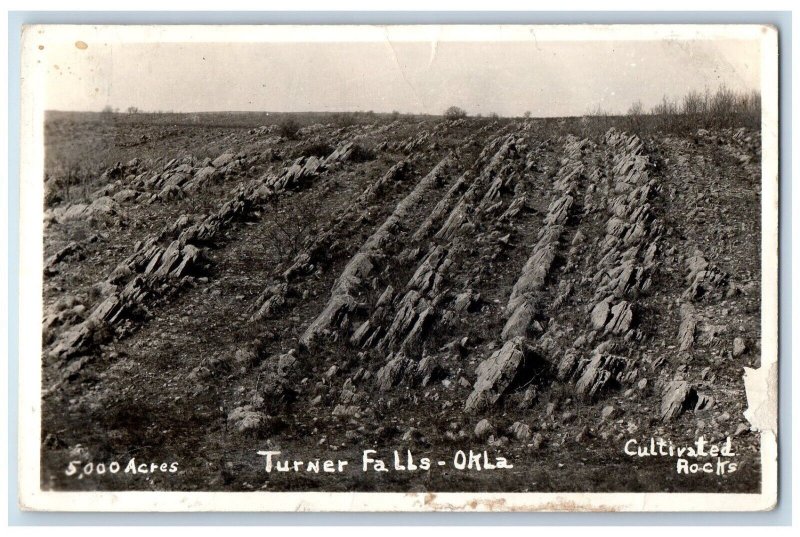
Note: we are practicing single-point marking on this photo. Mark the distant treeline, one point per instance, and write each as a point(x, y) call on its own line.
point(723, 108)
point(235, 119)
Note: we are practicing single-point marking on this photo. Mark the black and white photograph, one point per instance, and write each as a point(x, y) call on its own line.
point(487, 267)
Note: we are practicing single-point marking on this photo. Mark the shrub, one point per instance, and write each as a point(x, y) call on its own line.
point(289, 128)
point(720, 109)
point(362, 153)
point(636, 109)
point(345, 119)
point(454, 112)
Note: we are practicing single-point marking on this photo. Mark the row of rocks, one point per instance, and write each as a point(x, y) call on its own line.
point(102, 208)
point(475, 198)
point(522, 303)
point(516, 358)
point(409, 314)
point(305, 261)
point(156, 265)
point(625, 260)
point(400, 321)
point(704, 279)
point(366, 261)
point(130, 182)
point(318, 248)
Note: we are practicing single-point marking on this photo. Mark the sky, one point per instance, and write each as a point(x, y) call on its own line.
point(553, 78)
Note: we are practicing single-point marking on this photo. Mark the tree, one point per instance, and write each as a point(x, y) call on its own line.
point(133, 110)
point(454, 112)
point(527, 114)
point(636, 109)
point(667, 107)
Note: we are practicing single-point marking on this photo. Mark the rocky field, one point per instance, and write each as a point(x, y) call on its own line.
point(537, 290)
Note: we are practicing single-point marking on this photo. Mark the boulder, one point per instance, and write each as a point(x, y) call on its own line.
point(687, 327)
point(600, 373)
point(600, 313)
point(498, 373)
point(621, 318)
point(205, 175)
point(125, 195)
point(392, 373)
point(464, 301)
point(223, 159)
point(739, 347)
point(334, 314)
point(521, 431)
point(483, 429)
point(245, 419)
point(678, 396)
point(519, 322)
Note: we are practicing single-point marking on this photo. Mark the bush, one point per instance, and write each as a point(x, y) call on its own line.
point(720, 109)
point(362, 153)
point(289, 128)
point(345, 119)
point(454, 112)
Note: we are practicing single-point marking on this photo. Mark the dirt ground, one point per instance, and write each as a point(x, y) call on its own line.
point(426, 285)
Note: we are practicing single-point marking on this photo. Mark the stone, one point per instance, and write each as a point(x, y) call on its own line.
point(332, 316)
point(497, 373)
point(245, 419)
point(567, 365)
point(205, 175)
point(741, 429)
point(600, 373)
point(519, 322)
point(429, 370)
point(346, 410)
point(483, 429)
point(464, 301)
point(521, 431)
point(600, 314)
point(609, 412)
point(687, 328)
point(286, 363)
point(621, 318)
point(739, 347)
point(244, 357)
point(223, 159)
point(392, 373)
point(125, 195)
point(678, 396)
